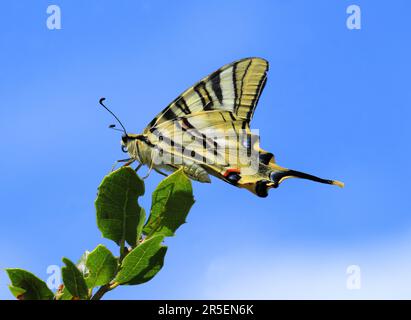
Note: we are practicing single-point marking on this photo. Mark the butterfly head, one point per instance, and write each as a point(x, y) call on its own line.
point(133, 144)
point(124, 142)
point(136, 145)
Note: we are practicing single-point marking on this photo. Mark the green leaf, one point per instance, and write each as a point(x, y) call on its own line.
point(142, 262)
point(102, 267)
point(155, 265)
point(34, 288)
point(118, 212)
point(73, 280)
point(171, 203)
point(17, 292)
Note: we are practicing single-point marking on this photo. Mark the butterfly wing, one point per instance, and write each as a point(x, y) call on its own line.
point(236, 87)
point(206, 131)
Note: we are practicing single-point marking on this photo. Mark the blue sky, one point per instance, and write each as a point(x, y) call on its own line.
point(336, 104)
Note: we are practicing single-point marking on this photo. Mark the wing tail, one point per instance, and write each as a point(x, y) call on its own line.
point(279, 174)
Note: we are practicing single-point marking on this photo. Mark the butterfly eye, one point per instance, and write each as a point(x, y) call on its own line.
point(124, 149)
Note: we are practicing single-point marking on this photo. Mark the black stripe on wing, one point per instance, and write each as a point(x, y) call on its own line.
point(235, 87)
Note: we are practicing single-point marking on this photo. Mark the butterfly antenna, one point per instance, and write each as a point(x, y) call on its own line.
point(111, 112)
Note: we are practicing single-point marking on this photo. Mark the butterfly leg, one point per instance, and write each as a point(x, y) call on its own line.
point(127, 163)
point(149, 171)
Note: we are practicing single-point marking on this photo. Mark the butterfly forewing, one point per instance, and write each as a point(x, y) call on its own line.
point(236, 87)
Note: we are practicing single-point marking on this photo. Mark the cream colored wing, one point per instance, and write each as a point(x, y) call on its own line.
point(236, 87)
point(214, 140)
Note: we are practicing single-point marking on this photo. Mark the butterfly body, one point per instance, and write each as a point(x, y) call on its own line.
point(206, 131)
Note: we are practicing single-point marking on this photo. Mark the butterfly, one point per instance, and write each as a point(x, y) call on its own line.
point(206, 131)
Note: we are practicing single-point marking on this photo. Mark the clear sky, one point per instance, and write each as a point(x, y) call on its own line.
point(336, 104)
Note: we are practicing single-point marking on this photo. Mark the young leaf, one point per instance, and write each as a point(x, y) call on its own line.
point(118, 213)
point(141, 260)
point(73, 280)
point(63, 294)
point(81, 264)
point(171, 203)
point(102, 266)
point(27, 286)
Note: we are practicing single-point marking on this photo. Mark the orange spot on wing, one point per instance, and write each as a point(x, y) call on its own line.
point(228, 171)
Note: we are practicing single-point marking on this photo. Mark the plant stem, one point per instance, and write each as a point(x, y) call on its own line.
point(100, 293)
point(103, 290)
